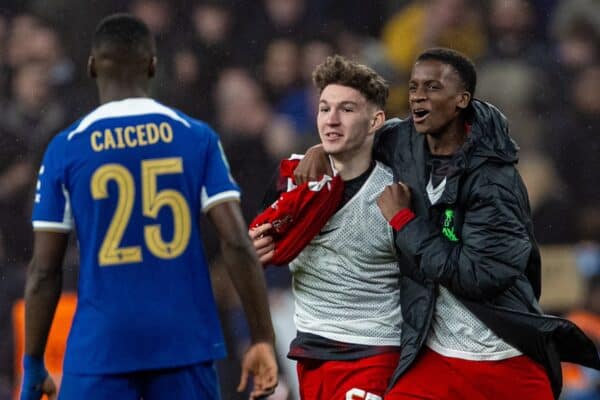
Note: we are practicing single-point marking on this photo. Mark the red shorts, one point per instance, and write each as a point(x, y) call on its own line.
point(434, 376)
point(363, 379)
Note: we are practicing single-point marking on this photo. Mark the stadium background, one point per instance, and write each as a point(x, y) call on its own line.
point(245, 66)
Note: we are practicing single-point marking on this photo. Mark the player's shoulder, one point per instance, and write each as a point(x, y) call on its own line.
point(393, 123)
point(384, 170)
point(196, 125)
point(119, 111)
point(63, 136)
point(198, 128)
point(394, 127)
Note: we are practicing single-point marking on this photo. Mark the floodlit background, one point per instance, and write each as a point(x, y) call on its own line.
point(245, 67)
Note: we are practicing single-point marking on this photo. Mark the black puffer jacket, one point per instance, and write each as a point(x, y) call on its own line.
point(494, 266)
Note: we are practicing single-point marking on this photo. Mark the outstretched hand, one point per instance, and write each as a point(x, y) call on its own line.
point(259, 361)
point(46, 387)
point(394, 198)
point(263, 242)
point(313, 166)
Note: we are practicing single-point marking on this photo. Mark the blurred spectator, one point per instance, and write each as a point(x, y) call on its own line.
point(15, 180)
point(16, 176)
point(577, 44)
point(272, 19)
point(512, 33)
point(19, 50)
point(73, 21)
point(574, 143)
point(187, 91)
point(457, 24)
point(46, 49)
point(4, 69)
point(213, 41)
point(293, 129)
point(158, 15)
point(512, 74)
point(243, 117)
point(31, 41)
point(207, 48)
point(421, 24)
point(572, 13)
point(352, 15)
point(32, 117)
point(280, 70)
point(549, 199)
point(575, 26)
point(515, 88)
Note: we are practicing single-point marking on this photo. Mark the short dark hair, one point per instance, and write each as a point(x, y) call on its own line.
point(126, 34)
point(341, 71)
point(460, 62)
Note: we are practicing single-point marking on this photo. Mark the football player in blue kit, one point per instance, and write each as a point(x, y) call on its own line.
point(132, 178)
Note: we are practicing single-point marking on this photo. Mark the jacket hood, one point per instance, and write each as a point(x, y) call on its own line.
point(489, 138)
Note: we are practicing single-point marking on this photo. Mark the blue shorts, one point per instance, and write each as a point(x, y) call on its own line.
point(193, 382)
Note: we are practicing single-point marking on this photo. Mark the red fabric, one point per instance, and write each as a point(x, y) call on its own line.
point(434, 376)
point(362, 379)
point(299, 214)
point(402, 218)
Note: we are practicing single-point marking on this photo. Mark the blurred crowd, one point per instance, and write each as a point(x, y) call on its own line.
point(245, 68)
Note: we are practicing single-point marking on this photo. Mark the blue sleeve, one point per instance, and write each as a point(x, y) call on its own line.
point(51, 209)
point(217, 185)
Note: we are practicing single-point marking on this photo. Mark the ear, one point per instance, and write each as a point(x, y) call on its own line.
point(463, 100)
point(152, 67)
point(91, 67)
point(377, 121)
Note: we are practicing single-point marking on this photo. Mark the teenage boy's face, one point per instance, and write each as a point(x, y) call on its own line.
point(436, 96)
point(344, 119)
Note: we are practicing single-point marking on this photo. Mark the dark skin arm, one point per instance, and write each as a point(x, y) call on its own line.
point(394, 198)
point(494, 249)
point(245, 271)
point(42, 291)
point(43, 288)
point(16, 178)
point(314, 164)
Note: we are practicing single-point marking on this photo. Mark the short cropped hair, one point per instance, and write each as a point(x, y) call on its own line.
point(341, 71)
point(124, 33)
point(460, 62)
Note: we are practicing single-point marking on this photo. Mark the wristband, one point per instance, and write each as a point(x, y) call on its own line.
point(34, 374)
point(402, 218)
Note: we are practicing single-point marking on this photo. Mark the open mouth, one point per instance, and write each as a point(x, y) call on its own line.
point(419, 115)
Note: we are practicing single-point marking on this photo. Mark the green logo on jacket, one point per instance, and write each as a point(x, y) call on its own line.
point(448, 226)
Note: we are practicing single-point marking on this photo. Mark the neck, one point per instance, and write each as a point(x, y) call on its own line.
point(448, 140)
point(113, 91)
point(350, 166)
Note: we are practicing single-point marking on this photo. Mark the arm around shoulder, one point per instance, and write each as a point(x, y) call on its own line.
point(492, 248)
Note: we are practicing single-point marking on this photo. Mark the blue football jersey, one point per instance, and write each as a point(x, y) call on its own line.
point(132, 178)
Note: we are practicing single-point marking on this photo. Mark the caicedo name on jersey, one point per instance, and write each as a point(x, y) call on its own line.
point(131, 136)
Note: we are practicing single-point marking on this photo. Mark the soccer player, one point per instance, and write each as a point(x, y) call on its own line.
point(472, 327)
point(132, 177)
point(346, 280)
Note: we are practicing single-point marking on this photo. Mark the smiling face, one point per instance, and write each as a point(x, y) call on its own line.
point(346, 120)
point(436, 96)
